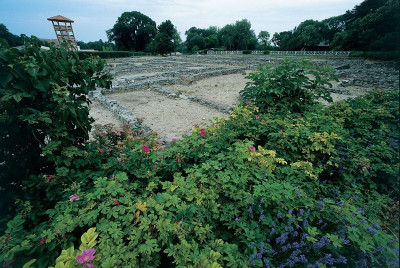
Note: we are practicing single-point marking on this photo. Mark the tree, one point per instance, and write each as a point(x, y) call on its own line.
point(283, 40)
point(263, 36)
point(202, 38)
point(371, 26)
point(164, 40)
point(245, 38)
point(226, 36)
point(12, 40)
point(97, 45)
point(132, 31)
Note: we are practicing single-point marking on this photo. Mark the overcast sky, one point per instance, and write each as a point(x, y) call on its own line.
point(93, 17)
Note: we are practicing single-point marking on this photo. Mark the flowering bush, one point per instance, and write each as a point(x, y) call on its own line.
point(254, 189)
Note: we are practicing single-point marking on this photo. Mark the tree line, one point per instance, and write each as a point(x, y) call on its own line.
point(372, 25)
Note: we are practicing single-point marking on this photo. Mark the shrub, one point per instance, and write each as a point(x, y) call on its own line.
point(251, 190)
point(293, 86)
point(266, 52)
point(44, 111)
point(254, 189)
point(104, 54)
point(246, 51)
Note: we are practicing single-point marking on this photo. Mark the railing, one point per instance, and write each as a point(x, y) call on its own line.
point(322, 53)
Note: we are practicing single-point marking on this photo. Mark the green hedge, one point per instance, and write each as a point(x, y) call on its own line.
point(246, 51)
point(104, 54)
point(377, 55)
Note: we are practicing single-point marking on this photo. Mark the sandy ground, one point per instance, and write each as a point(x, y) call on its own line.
point(170, 118)
point(223, 89)
point(173, 118)
point(102, 115)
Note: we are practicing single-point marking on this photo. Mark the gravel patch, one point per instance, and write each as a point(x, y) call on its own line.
point(170, 118)
point(222, 89)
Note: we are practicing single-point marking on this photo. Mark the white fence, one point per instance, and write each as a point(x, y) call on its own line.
point(322, 53)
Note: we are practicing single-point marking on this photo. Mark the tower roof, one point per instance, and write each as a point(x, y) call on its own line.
point(60, 18)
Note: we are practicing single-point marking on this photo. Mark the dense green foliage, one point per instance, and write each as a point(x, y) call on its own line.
point(259, 188)
point(97, 45)
point(133, 31)
point(43, 112)
point(251, 189)
point(104, 54)
point(166, 39)
point(294, 86)
point(266, 186)
point(12, 39)
point(373, 25)
point(378, 55)
point(237, 36)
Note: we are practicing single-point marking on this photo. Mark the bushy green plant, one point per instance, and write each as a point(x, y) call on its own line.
point(266, 52)
point(253, 189)
point(259, 188)
point(292, 86)
point(246, 52)
point(44, 112)
point(104, 54)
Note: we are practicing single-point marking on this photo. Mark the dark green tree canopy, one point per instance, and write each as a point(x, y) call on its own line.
point(12, 40)
point(373, 25)
point(164, 41)
point(132, 31)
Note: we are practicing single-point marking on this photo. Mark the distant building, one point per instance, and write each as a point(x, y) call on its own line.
point(63, 29)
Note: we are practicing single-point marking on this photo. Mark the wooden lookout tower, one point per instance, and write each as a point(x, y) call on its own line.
point(64, 32)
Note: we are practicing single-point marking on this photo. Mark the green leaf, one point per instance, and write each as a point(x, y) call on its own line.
point(29, 263)
point(5, 78)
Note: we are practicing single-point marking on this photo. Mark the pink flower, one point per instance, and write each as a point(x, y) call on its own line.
point(252, 148)
point(119, 160)
point(87, 255)
point(173, 140)
point(298, 115)
point(42, 241)
point(257, 117)
point(248, 103)
point(116, 202)
point(216, 125)
point(363, 169)
point(73, 198)
point(88, 265)
point(145, 148)
point(101, 151)
point(195, 125)
point(202, 132)
point(7, 263)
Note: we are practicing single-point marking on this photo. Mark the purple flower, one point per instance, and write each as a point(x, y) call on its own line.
point(301, 211)
point(252, 148)
point(376, 226)
point(73, 198)
point(250, 210)
point(88, 265)
point(236, 220)
point(371, 231)
point(303, 259)
point(87, 255)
